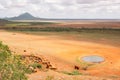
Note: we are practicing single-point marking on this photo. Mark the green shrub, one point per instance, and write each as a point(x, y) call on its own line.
point(36, 65)
point(11, 66)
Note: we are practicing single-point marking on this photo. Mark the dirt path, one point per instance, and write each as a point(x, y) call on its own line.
point(65, 51)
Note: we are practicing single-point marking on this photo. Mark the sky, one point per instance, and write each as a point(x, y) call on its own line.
point(76, 9)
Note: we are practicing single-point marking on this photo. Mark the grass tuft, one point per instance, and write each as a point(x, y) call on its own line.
point(75, 72)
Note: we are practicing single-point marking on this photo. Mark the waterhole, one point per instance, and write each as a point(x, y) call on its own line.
point(93, 59)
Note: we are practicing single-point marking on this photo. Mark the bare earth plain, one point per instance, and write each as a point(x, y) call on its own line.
point(64, 54)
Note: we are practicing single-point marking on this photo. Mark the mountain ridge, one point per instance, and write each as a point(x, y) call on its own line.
point(24, 16)
point(28, 16)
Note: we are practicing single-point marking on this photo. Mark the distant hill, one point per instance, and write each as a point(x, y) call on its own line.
point(24, 16)
point(28, 16)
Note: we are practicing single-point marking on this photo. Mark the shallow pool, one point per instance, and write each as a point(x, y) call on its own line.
point(93, 59)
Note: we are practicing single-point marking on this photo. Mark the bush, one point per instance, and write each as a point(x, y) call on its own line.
point(11, 66)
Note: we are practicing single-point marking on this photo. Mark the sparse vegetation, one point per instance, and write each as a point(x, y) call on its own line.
point(11, 24)
point(36, 65)
point(75, 72)
point(3, 22)
point(84, 65)
point(51, 26)
point(17, 24)
point(11, 66)
point(49, 78)
point(105, 32)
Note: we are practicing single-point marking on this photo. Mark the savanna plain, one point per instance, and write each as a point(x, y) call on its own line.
point(55, 50)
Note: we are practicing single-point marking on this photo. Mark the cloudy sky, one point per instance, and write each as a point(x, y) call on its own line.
point(62, 8)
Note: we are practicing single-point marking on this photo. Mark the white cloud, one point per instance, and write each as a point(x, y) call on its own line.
point(1, 7)
point(62, 8)
point(53, 1)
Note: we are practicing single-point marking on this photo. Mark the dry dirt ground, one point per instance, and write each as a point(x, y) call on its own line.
point(63, 54)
